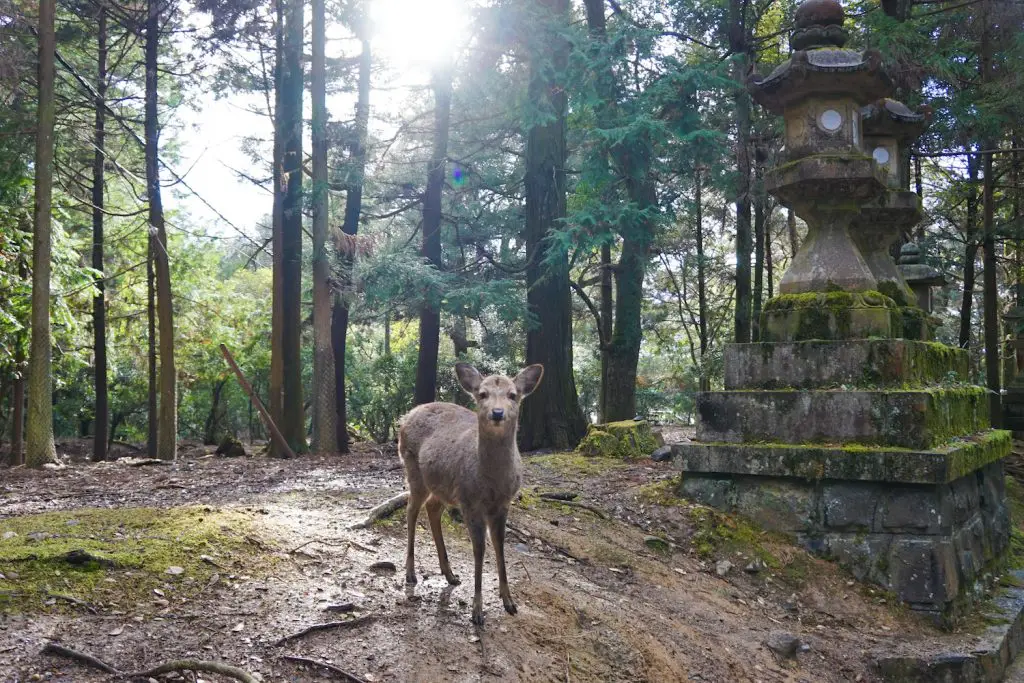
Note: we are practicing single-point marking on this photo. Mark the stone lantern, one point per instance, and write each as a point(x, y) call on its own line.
point(920, 277)
point(819, 92)
point(889, 128)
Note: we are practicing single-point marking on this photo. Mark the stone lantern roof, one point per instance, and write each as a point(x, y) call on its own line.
point(818, 57)
point(915, 272)
point(893, 118)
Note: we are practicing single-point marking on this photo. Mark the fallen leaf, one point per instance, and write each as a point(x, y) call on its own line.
point(117, 631)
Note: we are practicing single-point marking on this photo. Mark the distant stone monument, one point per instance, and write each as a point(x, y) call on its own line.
point(844, 426)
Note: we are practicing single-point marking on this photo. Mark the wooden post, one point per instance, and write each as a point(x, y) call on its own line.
point(285, 448)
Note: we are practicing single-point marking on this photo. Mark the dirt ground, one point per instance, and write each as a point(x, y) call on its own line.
point(600, 599)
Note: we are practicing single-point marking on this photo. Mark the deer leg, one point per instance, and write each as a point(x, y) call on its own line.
point(497, 524)
point(477, 534)
point(434, 509)
point(412, 512)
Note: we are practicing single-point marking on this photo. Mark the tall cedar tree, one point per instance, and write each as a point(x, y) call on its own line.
point(167, 431)
point(552, 417)
point(739, 47)
point(99, 307)
point(991, 292)
point(276, 384)
point(39, 447)
point(293, 426)
point(350, 226)
point(430, 312)
point(325, 414)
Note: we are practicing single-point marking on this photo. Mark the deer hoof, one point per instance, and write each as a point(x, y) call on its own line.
point(453, 580)
point(478, 615)
point(410, 579)
point(510, 606)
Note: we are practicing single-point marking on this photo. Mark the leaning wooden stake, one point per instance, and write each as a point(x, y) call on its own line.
point(274, 431)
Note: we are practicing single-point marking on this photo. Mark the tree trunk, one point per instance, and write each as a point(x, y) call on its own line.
point(39, 447)
point(759, 231)
point(769, 261)
point(970, 251)
point(167, 437)
point(794, 241)
point(702, 287)
point(99, 311)
point(350, 226)
point(293, 426)
point(151, 391)
point(325, 412)
point(18, 407)
point(275, 388)
point(552, 417)
point(430, 313)
point(991, 291)
point(607, 321)
point(738, 44)
point(213, 418)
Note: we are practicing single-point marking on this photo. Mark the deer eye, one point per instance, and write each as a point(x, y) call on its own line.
point(483, 394)
point(512, 395)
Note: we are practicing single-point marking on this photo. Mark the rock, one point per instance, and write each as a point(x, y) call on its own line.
point(383, 566)
point(230, 447)
point(175, 571)
point(656, 543)
point(755, 567)
point(625, 439)
point(723, 567)
point(784, 645)
point(663, 454)
point(8, 535)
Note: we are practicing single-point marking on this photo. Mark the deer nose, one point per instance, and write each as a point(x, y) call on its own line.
point(497, 414)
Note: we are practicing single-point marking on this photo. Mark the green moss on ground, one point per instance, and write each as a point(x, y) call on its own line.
point(571, 463)
point(133, 547)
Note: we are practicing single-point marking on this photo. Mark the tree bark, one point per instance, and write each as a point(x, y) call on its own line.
point(293, 425)
point(99, 311)
point(151, 387)
point(991, 291)
point(607, 321)
point(794, 242)
point(738, 44)
point(759, 230)
point(350, 226)
point(18, 407)
point(970, 251)
point(430, 312)
point(702, 287)
point(325, 412)
point(276, 383)
point(552, 417)
point(213, 418)
point(167, 437)
point(39, 447)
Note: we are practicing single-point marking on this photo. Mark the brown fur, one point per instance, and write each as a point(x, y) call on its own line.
point(454, 456)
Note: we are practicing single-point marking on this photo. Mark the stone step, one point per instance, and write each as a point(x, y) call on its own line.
point(875, 363)
point(904, 419)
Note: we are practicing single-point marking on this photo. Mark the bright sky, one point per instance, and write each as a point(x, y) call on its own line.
point(411, 36)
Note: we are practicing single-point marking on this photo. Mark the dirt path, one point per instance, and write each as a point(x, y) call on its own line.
point(599, 599)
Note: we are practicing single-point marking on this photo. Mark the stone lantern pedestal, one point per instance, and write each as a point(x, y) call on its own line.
point(842, 427)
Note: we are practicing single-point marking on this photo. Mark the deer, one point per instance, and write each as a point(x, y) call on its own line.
point(454, 456)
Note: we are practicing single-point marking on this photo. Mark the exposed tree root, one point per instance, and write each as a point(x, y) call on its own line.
point(572, 503)
point(169, 667)
point(383, 511)
point(324, 665)
point(349, 623)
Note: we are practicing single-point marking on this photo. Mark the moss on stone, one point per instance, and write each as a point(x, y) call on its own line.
point(570, 463)
point(133, 549)
point(829, 315)
point(625, 439)
point(895, 292)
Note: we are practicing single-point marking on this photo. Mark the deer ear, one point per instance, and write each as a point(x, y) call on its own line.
point(528, 379)
point(469, 377)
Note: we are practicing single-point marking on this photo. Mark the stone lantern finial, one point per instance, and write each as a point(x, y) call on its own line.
point(819, 23)
point(920, 276)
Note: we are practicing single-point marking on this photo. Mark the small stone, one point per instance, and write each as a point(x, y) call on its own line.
point(663, 454)
point(175, 571)
point(383, 566)
point(723, 567)
point(8, 535)
point(784, 645)
point(755, 567)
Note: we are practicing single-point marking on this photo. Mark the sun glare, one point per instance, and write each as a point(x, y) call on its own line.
point(419, 34)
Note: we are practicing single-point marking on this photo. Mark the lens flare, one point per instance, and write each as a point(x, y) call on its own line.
point(458, 178)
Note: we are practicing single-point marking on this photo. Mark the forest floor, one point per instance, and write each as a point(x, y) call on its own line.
point(638, 586)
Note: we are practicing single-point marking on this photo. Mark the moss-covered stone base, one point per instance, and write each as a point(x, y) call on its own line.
point(625, 439)
point(830, 315)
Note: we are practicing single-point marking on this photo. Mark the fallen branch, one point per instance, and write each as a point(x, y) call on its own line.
point(350, 623)
point(142, 462)
point(74, 601)
point(383, 511)
point(323, 665)
point(560, 495)
point(572, 503)
point(282, 443)
point(56, 650)
point(195, 665)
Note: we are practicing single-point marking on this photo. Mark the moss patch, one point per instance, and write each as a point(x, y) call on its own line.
point(575, 463)
point(830, 315)
point(134, 548)
point(625, 439)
